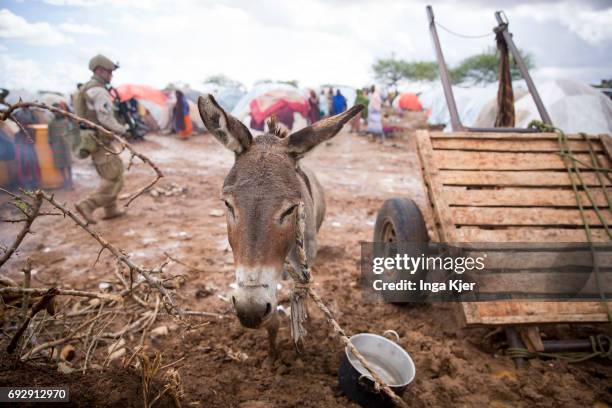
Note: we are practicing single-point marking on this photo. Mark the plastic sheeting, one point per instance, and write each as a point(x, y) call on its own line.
point(573, 106)
point(142, 92)
point(268, 103)
point(470, 102)
point(161, 114)
point(243, 109)
point(407, 101)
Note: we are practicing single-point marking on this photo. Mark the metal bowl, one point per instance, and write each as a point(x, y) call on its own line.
point(390, 361)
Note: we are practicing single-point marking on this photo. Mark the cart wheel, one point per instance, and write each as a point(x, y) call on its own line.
point(400, 222)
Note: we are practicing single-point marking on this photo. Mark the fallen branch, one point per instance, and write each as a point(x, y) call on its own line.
point(117, 253)
point(63, 292)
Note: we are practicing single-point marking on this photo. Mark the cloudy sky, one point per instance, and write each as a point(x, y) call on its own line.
point(46, 44)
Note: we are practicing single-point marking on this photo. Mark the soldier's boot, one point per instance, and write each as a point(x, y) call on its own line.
point(86, 211)
point(112, 211)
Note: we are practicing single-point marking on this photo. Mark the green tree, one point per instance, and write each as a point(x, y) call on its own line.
point(392, 71)
point(389, 71)
point(484, 68)
point(421, 70)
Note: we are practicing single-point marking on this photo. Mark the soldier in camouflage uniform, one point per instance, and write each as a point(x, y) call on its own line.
point(95, 103)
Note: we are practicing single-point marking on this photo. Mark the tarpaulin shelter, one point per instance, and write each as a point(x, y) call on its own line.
point(282, 99)
point(269, 103)
point(408, 101)
point(470, 101)
point(141, 92)
point(156, 102)
point(573, 107)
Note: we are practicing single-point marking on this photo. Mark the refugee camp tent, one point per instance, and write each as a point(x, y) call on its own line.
point(194, 115)
point(156, 102)
point(229, 97)
point(274, 102)
point(469, 100)
point(242, 110)
point(573, 106)
point(16, 94)
point(408, 101)
point(141, 92)
point(50, 98)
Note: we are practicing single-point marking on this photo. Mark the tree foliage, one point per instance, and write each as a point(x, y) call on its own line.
point(484, 68)
point(477, 69)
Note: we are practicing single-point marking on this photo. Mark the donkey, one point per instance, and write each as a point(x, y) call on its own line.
point(261, 193)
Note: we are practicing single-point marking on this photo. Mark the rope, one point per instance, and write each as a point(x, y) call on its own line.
point(301, 290)
point(448, 30)
point(599, 348)
point(566, 153)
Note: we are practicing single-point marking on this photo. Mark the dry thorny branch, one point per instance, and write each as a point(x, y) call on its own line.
point(72, 331)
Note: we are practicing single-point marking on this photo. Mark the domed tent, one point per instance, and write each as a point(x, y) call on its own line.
point(573, 107)
point(267, 99)
point(470, 102)
point(408, 101)
point(156, 102)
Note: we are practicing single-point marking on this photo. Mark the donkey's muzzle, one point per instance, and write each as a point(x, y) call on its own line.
point(251, 314)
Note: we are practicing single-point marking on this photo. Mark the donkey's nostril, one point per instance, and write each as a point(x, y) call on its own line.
point(234, 301)
point(268, 309)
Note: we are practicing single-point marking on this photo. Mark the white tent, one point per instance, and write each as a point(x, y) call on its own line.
point(242, 108)
point(470, 102)
point(573, 107)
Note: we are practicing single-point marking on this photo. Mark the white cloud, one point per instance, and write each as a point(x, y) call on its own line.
point(25, 73)
point(14, 27)
point(314, 42)
point(592, 25)
point(69, 27)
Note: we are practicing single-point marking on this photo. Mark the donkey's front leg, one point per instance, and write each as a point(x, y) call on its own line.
point(272, 328)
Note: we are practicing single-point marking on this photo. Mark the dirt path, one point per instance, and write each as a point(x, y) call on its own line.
point(454, 367)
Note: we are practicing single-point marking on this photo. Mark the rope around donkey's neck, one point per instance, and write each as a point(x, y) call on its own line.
point(301, 290)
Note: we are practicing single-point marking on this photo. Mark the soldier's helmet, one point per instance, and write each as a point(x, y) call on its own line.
point(102, 61)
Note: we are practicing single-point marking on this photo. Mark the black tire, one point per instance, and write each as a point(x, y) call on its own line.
point(400, 221)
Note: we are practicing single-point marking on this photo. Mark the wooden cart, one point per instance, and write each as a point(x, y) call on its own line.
point(504, 187)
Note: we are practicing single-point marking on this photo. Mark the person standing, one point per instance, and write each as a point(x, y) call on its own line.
point(323, 104)
point(360, 99)
point(339, 103)
point(95, 103)
point(330, 105)
point(313, 108)
point(59, 134)
point(375, 115)
point(181, 122)
point(28, 169)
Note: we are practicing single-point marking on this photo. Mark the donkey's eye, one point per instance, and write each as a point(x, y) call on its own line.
point(287, 213)
point(229, 207)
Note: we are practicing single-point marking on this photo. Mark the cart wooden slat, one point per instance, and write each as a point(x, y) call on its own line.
point(506, 187)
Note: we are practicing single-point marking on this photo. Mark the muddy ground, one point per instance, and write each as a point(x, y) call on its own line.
point(454, 366)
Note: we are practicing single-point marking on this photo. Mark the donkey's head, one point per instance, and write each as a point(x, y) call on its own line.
point(262, 192)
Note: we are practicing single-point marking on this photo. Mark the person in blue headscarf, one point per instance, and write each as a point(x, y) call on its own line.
point(338, 103)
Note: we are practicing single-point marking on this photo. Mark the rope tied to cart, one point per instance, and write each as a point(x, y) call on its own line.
point(302, 289)
point(569, 160)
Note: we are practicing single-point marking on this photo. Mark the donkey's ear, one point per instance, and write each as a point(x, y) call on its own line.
point(302, 141)
point(232, 133)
